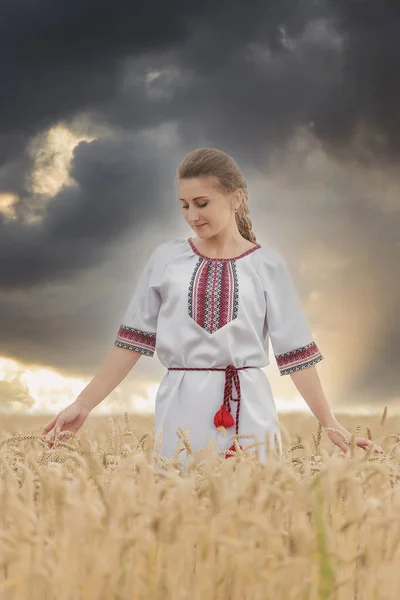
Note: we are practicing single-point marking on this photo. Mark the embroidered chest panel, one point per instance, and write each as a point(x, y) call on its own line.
point(214, 293)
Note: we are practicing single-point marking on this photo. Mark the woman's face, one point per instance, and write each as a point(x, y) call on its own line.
point(203, 205)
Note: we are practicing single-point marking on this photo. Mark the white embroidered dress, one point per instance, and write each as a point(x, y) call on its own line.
point(201, 312)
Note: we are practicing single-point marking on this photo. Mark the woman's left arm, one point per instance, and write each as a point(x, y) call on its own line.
point(308, 383)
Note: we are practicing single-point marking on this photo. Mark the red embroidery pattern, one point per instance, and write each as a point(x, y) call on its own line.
point(213, 299)
point(222, 259)
point(298, 359)
point(135, 339)
point(213, 294)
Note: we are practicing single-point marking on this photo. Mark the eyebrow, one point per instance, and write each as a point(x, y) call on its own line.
point(198, 198)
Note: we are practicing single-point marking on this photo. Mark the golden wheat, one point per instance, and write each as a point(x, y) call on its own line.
point(103, 516)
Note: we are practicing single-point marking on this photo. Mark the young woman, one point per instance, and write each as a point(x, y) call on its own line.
point(209, 305)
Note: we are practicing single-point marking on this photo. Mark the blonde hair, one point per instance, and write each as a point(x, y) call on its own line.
point(209, 162)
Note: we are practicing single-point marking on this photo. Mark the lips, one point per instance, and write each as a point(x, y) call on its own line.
point(198, 226)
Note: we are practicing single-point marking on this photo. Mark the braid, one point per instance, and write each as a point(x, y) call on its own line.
point(244, 223)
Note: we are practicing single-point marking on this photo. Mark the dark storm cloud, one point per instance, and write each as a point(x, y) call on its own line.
point(371, 85)
point(333, 72)
point(328, 62)
point(118, 187)
point(60, 57)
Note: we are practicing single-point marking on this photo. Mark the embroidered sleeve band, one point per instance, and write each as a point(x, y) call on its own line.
point(295, 360)
point(135, 339)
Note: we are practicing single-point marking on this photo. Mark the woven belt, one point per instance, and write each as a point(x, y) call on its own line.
point(223, 417)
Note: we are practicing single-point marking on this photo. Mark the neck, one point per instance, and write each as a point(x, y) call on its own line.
point(223, 241)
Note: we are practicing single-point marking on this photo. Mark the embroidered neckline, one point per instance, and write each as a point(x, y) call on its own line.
point(221, 259)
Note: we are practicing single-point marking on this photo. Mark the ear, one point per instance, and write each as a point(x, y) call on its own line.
point(239, 198)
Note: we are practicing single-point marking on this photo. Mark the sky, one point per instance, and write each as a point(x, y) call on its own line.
point(102, 100)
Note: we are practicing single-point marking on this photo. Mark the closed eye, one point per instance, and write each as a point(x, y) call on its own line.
point(199, 205)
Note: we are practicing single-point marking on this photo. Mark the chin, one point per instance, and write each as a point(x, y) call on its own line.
point(201, 231)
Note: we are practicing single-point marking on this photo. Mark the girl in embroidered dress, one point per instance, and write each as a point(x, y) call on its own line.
point(209, 306)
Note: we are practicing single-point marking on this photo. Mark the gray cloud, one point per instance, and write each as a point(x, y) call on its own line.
point(284, 64)
point(117, 191)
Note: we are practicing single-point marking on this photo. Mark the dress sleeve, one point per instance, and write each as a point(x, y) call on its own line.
point(139, 324)
point(287, 325)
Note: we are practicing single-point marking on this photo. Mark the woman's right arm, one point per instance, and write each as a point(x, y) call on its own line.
point(116, 366)
point(114, 369)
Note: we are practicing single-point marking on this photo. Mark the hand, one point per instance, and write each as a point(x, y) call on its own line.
point(71, 418)
point(337, 439)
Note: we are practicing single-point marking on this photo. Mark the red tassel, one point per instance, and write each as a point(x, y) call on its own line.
point(224, 418)
point(233, 450)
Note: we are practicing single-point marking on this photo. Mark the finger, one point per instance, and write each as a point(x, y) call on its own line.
point(49, 425)
point(365, 443)
point(342, 445)
point(58, 426)
point(48, 442)
point(378, 449)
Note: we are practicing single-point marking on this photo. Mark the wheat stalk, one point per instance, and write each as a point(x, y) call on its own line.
point(384, 415)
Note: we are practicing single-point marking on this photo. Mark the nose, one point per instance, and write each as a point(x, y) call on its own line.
point(192, 216)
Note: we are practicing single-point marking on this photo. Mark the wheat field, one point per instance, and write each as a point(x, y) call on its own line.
point(99, 517)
